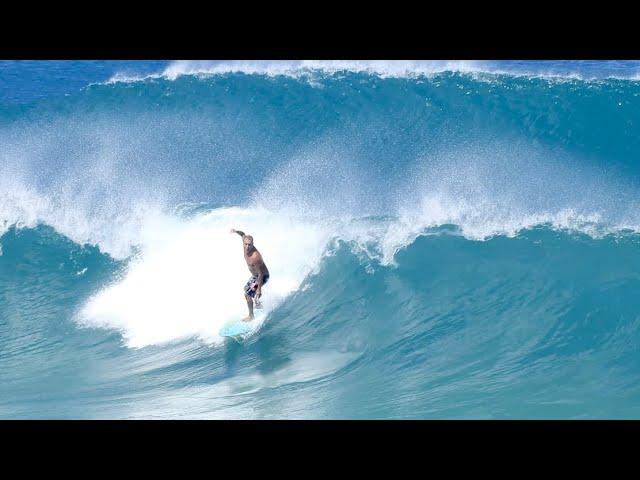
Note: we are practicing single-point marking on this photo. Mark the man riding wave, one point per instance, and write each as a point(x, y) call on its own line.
point(259, 273)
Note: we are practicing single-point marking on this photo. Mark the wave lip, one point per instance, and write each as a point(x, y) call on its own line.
point(586, 71)
point(384, 68)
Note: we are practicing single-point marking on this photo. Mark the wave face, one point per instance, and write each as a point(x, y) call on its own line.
point(445, 240)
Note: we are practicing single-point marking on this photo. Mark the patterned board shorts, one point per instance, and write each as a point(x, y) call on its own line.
point(251, 286)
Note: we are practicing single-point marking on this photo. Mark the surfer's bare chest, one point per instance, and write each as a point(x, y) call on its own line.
point(253, 262)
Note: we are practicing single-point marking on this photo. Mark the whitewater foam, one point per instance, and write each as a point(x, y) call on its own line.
point(188, 279)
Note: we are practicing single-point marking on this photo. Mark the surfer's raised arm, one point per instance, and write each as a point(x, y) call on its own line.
point(259, 272)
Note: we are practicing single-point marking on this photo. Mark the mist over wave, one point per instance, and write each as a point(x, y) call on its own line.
point(87, 168)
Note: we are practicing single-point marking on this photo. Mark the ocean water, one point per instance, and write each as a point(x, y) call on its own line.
point(445, 239)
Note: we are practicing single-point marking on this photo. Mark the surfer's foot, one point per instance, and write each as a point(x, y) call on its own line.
point(247, 319)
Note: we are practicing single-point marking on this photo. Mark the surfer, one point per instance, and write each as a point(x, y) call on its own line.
point(259, 273)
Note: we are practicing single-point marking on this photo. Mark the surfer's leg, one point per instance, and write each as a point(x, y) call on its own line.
point(250, 305)
point(248, 293)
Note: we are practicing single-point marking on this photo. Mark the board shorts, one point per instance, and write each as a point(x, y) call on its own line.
point(251, 286)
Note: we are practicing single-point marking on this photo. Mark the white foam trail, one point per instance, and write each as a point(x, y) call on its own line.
point(188, 280)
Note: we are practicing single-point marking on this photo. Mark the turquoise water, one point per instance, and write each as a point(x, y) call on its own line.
point(450, 242)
